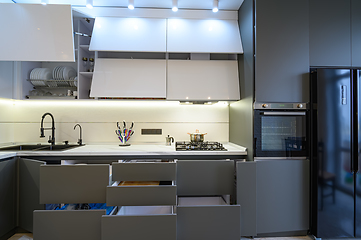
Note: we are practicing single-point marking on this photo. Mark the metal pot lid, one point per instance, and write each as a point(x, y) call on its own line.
point(197, 133)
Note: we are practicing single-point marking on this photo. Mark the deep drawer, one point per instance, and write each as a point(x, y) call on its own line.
point(207, 218)
point(141, 195)
point(73, 183)
point(144, 171)
point(139, 223)
point(69, 225)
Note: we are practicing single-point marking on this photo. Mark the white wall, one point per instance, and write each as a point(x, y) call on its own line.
point(98, 120)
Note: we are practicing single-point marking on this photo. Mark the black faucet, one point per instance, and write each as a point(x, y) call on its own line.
point(80, 141)
point(52, 139)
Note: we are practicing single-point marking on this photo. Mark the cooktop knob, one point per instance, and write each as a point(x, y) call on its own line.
point(265, 105)
point(300, 105)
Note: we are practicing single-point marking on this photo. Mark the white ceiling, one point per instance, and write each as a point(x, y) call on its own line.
point(163, 4)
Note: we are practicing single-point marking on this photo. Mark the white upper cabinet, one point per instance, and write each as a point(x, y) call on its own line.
point(35, 32)
point(129, 34)
point(198, 80)
point(203, 36)
point(129, 78)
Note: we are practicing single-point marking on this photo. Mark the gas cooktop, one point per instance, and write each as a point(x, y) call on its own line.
point(199, 146)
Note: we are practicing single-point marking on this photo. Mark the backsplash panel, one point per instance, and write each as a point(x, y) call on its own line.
point(98, 120)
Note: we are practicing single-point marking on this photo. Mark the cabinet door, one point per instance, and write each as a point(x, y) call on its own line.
point(29, 192)
point(129, 78)
point(34, 32)
point(282, 47)
point(247, 195)
point(197, 80)
point(203, 36)
point(330, 32)
point(7, 196)
point(356, 33)
point(282, 196)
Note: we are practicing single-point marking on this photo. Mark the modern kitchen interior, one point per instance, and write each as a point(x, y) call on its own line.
point(179, 119)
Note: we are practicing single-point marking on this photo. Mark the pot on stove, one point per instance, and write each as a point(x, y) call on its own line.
point(197, 136)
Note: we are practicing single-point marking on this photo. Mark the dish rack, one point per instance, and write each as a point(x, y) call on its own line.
point(53, 83)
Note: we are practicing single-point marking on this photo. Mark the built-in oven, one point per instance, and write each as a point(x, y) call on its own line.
point(281, 130)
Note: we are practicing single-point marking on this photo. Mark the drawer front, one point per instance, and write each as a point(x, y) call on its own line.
point(73, 183)
point(69, 225)
point(208, 222)
point(141, 195)
point(144, 171)
point(203, 177)
point(153, 227)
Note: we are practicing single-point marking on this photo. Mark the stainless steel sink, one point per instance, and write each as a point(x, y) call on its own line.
point(39, 147)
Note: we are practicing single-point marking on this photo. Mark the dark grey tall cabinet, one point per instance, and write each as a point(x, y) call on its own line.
point(281, 50)
point(335, 33)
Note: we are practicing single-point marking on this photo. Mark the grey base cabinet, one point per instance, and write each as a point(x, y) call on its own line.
point(29, 191)
point(144, 224)
point(7, 196)
point(214, 220)
point(282, 196)
point(69, 225)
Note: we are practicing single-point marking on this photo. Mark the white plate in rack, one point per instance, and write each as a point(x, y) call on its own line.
point(68, 72)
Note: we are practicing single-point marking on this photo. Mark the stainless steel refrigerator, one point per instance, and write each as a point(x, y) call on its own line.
point(335, 152)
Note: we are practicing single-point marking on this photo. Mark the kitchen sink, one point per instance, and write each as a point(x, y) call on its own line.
point(39, 147)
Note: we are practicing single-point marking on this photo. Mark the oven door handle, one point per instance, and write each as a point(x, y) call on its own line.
point(284, 113)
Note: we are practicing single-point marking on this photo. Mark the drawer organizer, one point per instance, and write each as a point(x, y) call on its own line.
point(145, 206)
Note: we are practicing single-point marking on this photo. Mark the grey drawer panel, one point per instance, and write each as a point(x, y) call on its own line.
point(73, 183)
point(208, 222)
point(144, 171)
point(203, 177)
point(153, 227)
point(69, 225)
point(141, 195)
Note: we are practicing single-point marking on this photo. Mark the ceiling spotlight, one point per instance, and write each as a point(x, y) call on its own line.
point(89, 4)
point(131, 4)
point(174, 5)
point(44, 2)
point(215, 6)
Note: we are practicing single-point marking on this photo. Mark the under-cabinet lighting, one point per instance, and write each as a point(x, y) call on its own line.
point(44, 2)
point(89, 4)
point(131, 4)
point(174, 5)
point(215, 6)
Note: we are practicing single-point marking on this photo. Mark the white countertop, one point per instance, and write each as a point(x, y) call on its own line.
point(133, 150)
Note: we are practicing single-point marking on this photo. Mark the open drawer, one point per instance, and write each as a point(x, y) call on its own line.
point(144, 170)
point(73, 183)
point(141, 194)
point(69, 225)
point(139, 223)
point(210, 218)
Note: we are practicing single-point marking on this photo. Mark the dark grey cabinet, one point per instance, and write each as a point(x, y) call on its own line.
point(356, 33)
point(281, 50)
point(7, 195)
point(29, 191)
point(282, 197)
point(330, 33)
